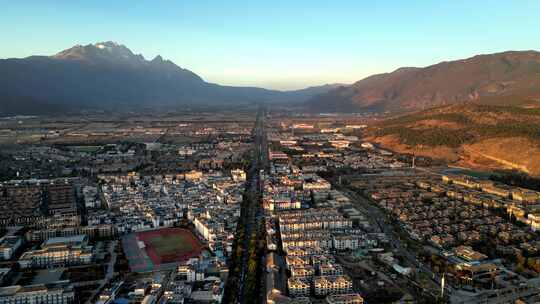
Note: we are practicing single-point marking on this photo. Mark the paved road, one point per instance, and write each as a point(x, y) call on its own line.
point(384, 226)
point(110, 271)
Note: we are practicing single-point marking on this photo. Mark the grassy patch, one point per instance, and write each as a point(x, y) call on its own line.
point(85, 149)
point(170, 244)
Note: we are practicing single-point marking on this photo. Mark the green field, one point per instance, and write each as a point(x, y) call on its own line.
point(170, 244)
point(87, 149)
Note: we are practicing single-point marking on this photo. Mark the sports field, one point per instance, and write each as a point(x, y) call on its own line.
point(170, 245)
point(150, 250)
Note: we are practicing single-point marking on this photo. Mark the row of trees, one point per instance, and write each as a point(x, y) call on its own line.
point(517, 179)
point(235, 260)
point(249, 245)
point(256, 250)
point(427, 137)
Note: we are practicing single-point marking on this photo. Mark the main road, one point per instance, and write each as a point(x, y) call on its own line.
point(251, 223)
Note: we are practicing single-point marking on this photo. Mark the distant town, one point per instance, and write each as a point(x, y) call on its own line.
point(261, 206)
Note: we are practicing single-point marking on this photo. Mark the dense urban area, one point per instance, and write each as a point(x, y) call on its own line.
point(253, 206)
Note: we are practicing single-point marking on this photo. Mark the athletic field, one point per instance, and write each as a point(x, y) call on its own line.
point(158, 249)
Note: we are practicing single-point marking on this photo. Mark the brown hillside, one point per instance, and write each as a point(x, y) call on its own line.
point(477, 136)
point(494, 79)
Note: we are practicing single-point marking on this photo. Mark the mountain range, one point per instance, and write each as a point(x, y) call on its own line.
point(500, 78)
point(108, 75)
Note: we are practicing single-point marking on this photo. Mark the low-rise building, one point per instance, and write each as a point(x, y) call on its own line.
point(43, 293)
point(9, 245)
point(324, 285)
point(330, 269)
point(298, 287)
point(238, 175)
point(345, 242)
point(350, 298)
point(60, 251)
point(525, 195)
point(534, 220)
point(305, 271)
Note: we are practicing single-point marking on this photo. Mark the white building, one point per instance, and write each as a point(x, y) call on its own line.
point(324, 285)
point(8, 246)
point(34, 294)
point(298, 287)
point(205, 229)
point(238, 175)
point(345, 242)
point(534, 219)
point(60, 251)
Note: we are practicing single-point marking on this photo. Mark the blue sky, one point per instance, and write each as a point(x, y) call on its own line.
point(276, 44)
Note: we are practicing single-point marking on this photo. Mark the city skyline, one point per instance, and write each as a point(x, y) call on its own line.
point(279, 45)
